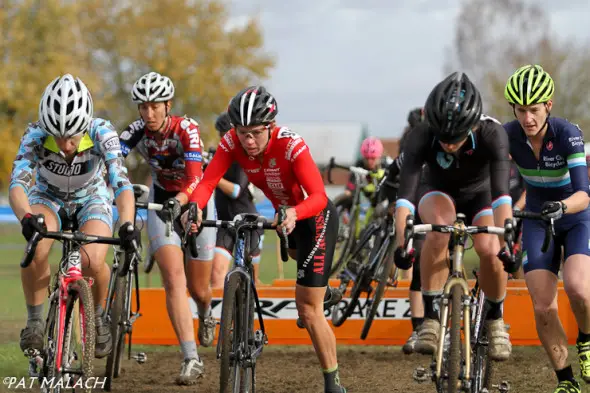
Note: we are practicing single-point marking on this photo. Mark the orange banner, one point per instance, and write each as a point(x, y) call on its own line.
point(391, 327)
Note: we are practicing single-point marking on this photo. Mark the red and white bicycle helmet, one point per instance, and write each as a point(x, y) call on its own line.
point(372, 148)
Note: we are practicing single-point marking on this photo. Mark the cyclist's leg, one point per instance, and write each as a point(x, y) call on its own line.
point(316, 240)
point(541, 278)
point(169, 257)
point(223, 255)
point(198, 273)
point(493, 278)
point(416, 303)
point(257, 240)
point(435, 207)
point(576, 280)
point(35, 278)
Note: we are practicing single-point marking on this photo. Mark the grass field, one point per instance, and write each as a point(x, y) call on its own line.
point(12, 305)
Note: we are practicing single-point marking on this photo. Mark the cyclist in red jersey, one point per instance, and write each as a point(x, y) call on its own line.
point(173, 148)
point(278, 161)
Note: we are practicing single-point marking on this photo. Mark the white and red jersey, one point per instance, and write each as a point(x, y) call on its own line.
point(175, 159)
point(286, 173)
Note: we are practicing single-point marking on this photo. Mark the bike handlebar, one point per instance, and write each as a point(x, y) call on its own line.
point(250, 222)
point(78, 237)
point(549, 228)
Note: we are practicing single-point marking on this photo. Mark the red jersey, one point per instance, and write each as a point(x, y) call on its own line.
point(175, 160)
point(286, 173)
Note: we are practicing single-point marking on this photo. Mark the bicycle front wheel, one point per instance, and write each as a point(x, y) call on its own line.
point(118, 315)
point(454, 359)
point(79, 333)
point(231, 379)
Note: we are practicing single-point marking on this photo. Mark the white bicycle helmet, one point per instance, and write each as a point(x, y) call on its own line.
point(66, 107)
point(152, 87)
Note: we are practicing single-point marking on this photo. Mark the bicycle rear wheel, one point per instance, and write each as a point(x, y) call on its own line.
point(381, 275)
point(119, 314)
point(79, 338)
point(48, 369)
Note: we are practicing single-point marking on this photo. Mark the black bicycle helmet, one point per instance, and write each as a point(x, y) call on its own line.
point(415, 117)
point(252, 106)
point(453, 108)
point(223, 123)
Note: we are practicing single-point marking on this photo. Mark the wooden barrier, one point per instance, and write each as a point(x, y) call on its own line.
point(391, 327)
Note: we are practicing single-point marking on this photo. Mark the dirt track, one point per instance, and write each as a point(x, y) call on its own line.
point(363, 370)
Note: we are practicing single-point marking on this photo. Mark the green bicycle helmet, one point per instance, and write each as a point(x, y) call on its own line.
point(529, 85)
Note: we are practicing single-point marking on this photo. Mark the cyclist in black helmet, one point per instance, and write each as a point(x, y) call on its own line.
point(467, 168)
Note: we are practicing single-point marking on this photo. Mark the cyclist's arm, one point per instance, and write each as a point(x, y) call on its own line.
point(217, 167)
point(22, 171)
point(234, 183)
point(521, 203)
point(193, 159)
point(309, 177)
point(110, 149)
point(131, 136)
point(414, 157)
point(496, 140)
point(573, 141)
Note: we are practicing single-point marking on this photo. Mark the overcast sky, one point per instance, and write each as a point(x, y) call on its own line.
point(367, 60)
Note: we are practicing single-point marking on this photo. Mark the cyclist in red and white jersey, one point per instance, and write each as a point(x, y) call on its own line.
point(278, 161)
point(172, 146)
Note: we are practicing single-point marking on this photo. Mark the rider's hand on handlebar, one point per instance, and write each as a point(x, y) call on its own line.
point(31, 225)
point(171, 210)
point(290, 220)
point(553, 210)
point(194, 226)
point(402, 259)
point(129, 235)
point(512, 263)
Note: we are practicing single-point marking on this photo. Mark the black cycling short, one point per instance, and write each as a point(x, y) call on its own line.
point(315, 240)
point(472, 205)
point(226, 241)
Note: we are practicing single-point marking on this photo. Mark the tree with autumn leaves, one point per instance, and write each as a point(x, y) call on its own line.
point(111, 43)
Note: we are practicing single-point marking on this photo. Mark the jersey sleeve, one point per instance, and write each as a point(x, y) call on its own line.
point(26, 158)
point(193, 155)
point(218, 166)
point(107, 140)
point(573, 140)
point(131, 136)
point(411, 166)
point(309, 177)
point(496, 140)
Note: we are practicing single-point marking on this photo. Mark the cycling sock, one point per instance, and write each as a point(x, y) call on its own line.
point(565, 374)
point(494, 309)
point(189, 349)
point(416, 323)
point(432, 304)
point(34, 313)
point(332, 380)
point(583, 337)
point(203, 310)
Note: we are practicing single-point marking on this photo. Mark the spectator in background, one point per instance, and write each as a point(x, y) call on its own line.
point(232, 197)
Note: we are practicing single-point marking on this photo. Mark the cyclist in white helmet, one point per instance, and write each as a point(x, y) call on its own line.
point(172, 147)
point(70, 151)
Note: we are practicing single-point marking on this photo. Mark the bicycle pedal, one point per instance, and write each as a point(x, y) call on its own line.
point(140, 357)
point(420, 374)
point(31, 352)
